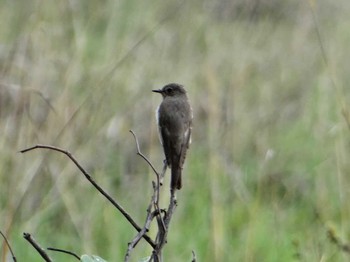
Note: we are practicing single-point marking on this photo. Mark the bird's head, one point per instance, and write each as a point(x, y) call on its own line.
point(171, 90)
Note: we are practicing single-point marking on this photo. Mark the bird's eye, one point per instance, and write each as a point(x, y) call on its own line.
point(169, 91)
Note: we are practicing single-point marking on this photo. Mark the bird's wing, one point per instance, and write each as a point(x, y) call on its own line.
point(185, 144)
point(164, 136)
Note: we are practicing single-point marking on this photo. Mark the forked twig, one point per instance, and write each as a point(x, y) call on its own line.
point(158, 176)
point(154, 202)
point(162, 221)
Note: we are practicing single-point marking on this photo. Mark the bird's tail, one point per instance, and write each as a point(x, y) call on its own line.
point(176, 182)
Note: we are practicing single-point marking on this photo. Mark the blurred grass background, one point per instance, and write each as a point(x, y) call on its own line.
point(267, 176)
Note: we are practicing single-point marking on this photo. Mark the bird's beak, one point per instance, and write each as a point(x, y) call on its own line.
point(157, 91)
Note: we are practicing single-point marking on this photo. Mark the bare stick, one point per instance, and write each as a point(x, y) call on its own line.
point(88, 177)
point(40, 250)
point(64, 251)
point(8, 244)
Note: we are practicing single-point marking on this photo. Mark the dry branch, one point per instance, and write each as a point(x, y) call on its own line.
point(38, 248)
point(88, 177)
point(163, 221)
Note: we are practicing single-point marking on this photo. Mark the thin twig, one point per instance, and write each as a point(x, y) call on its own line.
point(9, 246)
point(40, 250)
point(88, 177)
point(142, 155)
point(64, 251)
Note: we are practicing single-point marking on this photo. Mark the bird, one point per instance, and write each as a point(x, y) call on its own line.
point(174, 118)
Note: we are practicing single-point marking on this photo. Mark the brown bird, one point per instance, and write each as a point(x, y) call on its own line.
point(174, 117)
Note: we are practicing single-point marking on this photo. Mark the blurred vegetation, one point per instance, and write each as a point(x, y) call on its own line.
point(268, 173)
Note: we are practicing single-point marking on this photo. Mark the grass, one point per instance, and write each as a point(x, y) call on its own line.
point(267, 174)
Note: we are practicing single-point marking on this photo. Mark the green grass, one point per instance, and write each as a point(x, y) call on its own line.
point(267, 174)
